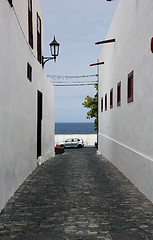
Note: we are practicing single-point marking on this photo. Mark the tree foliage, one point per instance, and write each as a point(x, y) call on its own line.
point(92, 103)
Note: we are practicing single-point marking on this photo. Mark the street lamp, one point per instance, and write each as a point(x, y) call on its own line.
point(54, 48)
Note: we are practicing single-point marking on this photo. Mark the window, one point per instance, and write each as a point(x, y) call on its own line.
point(130, 87)
point(29, 72)
point(30, 23)
point(39, 39)
point(111, 98)
point(102, 104)
point(106, 102)
point(119, 94)
point(10, 2)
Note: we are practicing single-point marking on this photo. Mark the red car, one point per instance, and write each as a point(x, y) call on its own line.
point(59, 150)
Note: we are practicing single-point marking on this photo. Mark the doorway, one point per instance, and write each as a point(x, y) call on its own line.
point(39, 122)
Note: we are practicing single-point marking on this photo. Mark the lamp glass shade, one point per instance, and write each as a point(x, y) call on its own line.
point(54, 48)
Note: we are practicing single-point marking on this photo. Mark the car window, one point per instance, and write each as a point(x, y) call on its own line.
point(78, 139)
point(68, 140)
point(75, 139)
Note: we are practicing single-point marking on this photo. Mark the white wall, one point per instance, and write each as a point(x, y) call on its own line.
point(18, 101)
point(126, 135)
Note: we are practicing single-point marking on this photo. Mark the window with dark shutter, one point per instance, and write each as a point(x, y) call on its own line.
point(106, 102)
point(130, 87)
point(102, 104)
point(111, 98)
point(119, 94)
point(39, 54)
point(29, 72)
point(30, 25)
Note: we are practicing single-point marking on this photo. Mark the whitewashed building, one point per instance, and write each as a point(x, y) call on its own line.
point(26, 95)
point(126, 93)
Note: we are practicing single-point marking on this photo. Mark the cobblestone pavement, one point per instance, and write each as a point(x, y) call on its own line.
point(74, 196)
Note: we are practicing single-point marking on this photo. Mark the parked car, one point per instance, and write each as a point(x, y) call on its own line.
point(71, 143)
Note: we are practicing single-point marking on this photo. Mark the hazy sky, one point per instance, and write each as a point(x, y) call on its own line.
point(77, 25)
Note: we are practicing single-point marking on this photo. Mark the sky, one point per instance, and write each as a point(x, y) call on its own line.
point(76, 25)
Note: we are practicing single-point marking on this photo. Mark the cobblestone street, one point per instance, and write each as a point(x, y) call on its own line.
point(74, 196)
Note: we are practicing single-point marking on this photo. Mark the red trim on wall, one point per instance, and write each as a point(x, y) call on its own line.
point(106, 41)
point(95, 64)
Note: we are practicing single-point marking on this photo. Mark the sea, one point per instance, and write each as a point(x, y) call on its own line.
point(74, 128)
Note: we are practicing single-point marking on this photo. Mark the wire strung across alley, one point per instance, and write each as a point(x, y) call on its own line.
point(62, 81)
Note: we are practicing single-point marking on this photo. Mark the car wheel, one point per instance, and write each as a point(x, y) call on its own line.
point(79, 146)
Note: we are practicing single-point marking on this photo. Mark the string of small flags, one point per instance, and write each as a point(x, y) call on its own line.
point(59, 81)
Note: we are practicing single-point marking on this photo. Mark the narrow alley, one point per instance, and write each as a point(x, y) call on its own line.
point(77, 195)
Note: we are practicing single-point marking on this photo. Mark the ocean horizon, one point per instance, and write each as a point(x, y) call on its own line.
point(74, 128)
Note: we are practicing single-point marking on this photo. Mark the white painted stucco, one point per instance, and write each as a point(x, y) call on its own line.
point(126, 132)
point(18, 99)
